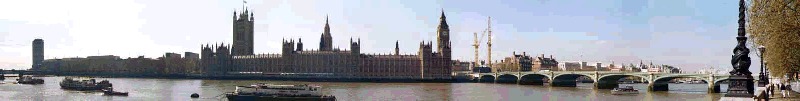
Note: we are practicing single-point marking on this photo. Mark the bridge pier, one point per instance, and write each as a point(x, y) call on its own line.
point(658, 86)
point(606, 84)
point(713, 88)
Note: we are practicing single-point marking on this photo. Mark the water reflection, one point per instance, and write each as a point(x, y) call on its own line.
point(180, 89)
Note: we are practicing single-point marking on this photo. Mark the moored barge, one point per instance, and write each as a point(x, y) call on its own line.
point(272, 92)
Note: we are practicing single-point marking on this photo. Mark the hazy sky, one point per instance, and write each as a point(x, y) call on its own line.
point(688, 34)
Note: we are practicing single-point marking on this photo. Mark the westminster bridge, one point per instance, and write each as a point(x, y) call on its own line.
point(602, 79)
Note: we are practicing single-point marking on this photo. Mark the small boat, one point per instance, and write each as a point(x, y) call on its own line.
point(84, 85)
point(110, 91)
point(272, 92)
point(624, 90)
point(30, 80)
point(195, 95)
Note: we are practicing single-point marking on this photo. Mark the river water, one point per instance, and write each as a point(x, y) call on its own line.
point(147, 89)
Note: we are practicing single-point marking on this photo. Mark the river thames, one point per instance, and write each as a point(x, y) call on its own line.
point(147, 89)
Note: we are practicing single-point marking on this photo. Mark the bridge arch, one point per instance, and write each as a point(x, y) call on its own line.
point(611, 81)
point(662, 83)
point(720, 80)
point(506, 78)
point(533, 79)
point(715, 86)
point(486, 78)
point(568, 80)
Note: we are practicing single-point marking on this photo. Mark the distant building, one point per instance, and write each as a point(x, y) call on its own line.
point(461, 66)
point(38, 54)
point(172, 55)
point(592, 66)
point(190, 55)
point(545, 63)
point(517, 62)
point(570, 65)
point(615, 68)
point(643, 67)
point(107, 57)
point(481, 70)
point(706, 70)
point(675, 70)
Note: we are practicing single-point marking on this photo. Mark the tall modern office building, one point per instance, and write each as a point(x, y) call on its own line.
point(38, 54)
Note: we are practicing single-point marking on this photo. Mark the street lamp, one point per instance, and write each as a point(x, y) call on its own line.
point(762, 77)
point(741, 82)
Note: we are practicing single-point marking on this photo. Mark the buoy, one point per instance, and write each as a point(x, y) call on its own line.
point(195, 95)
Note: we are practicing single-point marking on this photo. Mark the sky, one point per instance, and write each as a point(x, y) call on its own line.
point(689, 34)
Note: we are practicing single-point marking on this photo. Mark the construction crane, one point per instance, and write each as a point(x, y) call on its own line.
point(478, 42)
point(477, 46)
point(489, 29)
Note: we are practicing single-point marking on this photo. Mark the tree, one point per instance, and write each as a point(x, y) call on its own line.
point(775, 24)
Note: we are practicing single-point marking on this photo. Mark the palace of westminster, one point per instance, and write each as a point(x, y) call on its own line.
point(328, 61)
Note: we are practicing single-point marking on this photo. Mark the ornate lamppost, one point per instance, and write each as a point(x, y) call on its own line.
point(763, 79)
point(741, 82)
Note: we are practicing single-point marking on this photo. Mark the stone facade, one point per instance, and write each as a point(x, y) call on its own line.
point(172, 55)
point(518, 62)
point(191, 55)
point(327, 61)
point(544, 63)
point(113, 65)
point(243, 33)
point(461, 66)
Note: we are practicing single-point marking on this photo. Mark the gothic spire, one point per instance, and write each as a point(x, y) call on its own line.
point(443, 13)
point(327, 27)
point(443, 21)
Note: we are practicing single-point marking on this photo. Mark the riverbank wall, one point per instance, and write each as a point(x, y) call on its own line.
point(260, 77)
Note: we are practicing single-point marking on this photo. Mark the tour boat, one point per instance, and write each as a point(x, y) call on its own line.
point(624, 90)
point(30, 80)
point(83, 85)
point(272, 92)
point(110, 91)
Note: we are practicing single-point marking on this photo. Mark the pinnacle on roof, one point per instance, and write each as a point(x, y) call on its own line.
point(443, 21)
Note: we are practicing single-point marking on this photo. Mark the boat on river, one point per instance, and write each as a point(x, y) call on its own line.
point(624, 90)
point(84, 85)
point(110, 91)
point(272, 92)
point(30, 80)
